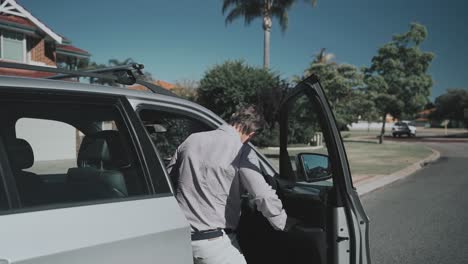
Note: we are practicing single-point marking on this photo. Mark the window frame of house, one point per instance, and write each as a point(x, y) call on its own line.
point(24, 48)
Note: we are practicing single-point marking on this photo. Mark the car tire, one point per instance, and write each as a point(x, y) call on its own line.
point(394, 135)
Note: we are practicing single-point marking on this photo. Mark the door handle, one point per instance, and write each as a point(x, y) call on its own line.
point(339, 239)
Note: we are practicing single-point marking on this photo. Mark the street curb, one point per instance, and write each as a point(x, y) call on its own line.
point(366, 186)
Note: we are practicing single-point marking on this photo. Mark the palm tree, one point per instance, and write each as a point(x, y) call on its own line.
point(323, 57)
point(266, 9)
point(116, 62)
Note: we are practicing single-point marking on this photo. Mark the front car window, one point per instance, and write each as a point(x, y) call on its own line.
point(306, 148)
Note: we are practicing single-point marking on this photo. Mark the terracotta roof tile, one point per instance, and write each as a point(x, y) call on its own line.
point(17, 20)
point(72, 49)
point(427, 111)
point(24, 73)
point(138, 87)
point(163, 84)
point(26, 22)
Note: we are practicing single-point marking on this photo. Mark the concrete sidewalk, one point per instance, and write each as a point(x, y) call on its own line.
point(367, 184)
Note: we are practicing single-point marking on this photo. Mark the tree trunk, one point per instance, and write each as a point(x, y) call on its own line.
point(266, 40)
point(382, 133)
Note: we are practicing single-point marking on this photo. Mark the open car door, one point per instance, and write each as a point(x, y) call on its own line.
point(315, 186)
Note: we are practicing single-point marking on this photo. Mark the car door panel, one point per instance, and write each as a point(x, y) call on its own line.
point(347, 207)
point(124, 232)
point(310, 207)
point(331, 225)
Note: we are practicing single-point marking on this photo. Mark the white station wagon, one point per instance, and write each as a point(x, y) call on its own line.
point(83, 178)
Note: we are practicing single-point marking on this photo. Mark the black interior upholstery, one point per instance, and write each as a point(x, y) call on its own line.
point(98, 174)
point(91, 183)
point(24, 156)
point(304, 243)
point(103, 149)
point(30, 186)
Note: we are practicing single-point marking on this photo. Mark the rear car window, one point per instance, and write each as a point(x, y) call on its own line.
point(52, 155)
point(70, 152)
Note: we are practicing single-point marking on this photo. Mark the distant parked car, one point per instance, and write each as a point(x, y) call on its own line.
point(403, 128)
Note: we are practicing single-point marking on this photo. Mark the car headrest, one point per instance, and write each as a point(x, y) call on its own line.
point(103, 149)
point(20, 154)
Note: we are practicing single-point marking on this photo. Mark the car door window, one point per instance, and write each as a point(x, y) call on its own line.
point(62, 152)
point(306, 147)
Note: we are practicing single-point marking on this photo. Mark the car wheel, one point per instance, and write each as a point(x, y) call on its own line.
point(394, 135)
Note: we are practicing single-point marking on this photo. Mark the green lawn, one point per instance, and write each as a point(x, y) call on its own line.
point(368, 158)
point(374, 159)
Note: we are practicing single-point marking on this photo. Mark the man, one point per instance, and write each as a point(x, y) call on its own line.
point(212, 170)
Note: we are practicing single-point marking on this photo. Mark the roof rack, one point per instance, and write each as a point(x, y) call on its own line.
point(126, 74)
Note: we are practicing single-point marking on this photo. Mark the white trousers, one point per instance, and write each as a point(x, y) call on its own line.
point(220, 250)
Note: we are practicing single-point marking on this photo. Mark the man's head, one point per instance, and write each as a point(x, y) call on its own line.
point(247, 121)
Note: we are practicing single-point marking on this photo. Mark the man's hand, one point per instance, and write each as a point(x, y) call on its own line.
point(290, 223)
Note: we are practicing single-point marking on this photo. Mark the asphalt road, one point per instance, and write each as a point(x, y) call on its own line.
point(423, 218)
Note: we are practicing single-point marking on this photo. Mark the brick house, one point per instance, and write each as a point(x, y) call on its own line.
point(25, 39)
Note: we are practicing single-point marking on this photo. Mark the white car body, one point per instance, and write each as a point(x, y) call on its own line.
point(403, 128)
point(147, 225)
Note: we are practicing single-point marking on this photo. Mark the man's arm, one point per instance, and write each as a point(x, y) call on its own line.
point(264, 197)
point(173, 170)
point(173, 162)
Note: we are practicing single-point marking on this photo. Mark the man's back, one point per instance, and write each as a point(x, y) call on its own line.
point(212, 170)
point(208, 187)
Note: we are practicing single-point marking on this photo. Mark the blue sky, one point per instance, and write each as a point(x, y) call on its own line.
point(180, 40)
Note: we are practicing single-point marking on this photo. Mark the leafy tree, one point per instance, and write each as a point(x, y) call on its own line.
point(342, 84)
point(397, 78)
point(265, 9)
point(365, 108)
point(302, 121)
point(452, 105)
point(226, 87)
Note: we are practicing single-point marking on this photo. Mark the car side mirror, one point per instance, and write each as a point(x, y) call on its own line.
point(314, 167)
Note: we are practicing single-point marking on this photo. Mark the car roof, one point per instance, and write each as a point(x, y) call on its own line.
point(40, 84)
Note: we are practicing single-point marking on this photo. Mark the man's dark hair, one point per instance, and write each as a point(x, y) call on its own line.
point(247, 119)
